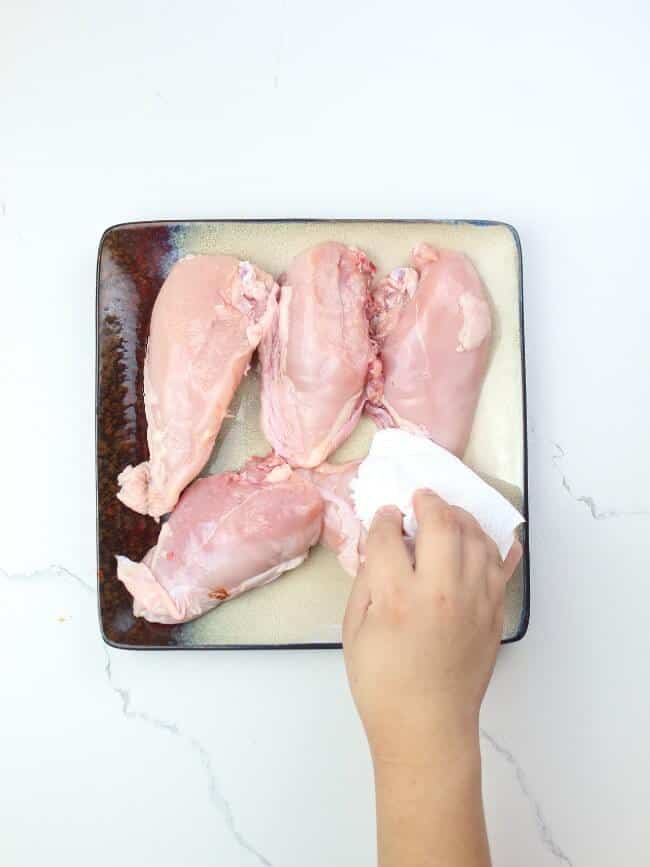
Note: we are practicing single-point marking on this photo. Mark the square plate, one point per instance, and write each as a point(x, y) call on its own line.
point(304, 608)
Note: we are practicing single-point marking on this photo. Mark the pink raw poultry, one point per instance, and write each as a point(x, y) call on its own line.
point(343, 532)
point(433, 333)
point(318, 361)
point(228, 534)
point(208, 318)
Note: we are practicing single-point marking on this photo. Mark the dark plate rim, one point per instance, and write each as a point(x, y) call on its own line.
point(524, 620)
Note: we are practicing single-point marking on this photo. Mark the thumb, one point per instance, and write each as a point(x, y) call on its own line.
point(512, 560)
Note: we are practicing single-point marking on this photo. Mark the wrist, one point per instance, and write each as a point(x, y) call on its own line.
point(429, 805)
point(433, 747)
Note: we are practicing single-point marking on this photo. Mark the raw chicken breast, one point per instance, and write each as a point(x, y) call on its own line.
point(228, 534)
point(343, 532)
point(318, 360)
point(208, 318)
point(433, 329)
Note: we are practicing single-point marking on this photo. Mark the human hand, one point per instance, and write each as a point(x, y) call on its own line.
point(421, 640)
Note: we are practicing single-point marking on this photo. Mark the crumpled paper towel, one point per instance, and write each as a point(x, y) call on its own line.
point(399, 463)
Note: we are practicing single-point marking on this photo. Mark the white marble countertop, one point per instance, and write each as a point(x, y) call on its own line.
point(140, 111)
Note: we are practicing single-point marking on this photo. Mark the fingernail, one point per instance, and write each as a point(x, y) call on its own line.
point(425, 492)
point(388, 509)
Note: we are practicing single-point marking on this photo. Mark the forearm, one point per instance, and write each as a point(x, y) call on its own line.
point(430, 810)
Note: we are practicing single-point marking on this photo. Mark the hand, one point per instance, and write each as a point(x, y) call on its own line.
point(421, 640)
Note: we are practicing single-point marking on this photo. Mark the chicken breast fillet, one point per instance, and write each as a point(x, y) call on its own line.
point(433, 325)
point(229, 533)
point(343, 531)
point(318, 361)
point(209, 317)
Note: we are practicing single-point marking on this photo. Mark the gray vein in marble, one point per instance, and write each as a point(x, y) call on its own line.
point(218, 800)
point(545, 833)
point(61, 571)
point(596, 513)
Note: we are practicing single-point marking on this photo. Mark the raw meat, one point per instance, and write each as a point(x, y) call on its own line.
point(208, 318)
point(433, 327)
point(318, 361)
point(228, 534)
point(343, 531)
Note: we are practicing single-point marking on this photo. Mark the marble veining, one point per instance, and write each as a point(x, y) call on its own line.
point(217, 798)
point(596, 512)
point(220, 803)
point(244, 759)
point(545, 833)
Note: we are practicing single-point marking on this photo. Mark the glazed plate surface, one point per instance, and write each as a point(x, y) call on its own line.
point(303, 608)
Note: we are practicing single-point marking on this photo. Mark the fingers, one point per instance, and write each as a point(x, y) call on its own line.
point(480, 554)
point(472, 530)
point(386, 554)
point(438, 539)
point(451, 543)
point(512, 560)
point(475, 561)
point(500, 573)
point(450, 548)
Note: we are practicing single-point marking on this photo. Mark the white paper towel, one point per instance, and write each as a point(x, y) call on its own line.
point(399, 463)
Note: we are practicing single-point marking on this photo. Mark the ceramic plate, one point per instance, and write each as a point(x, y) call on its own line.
point(304, 607)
